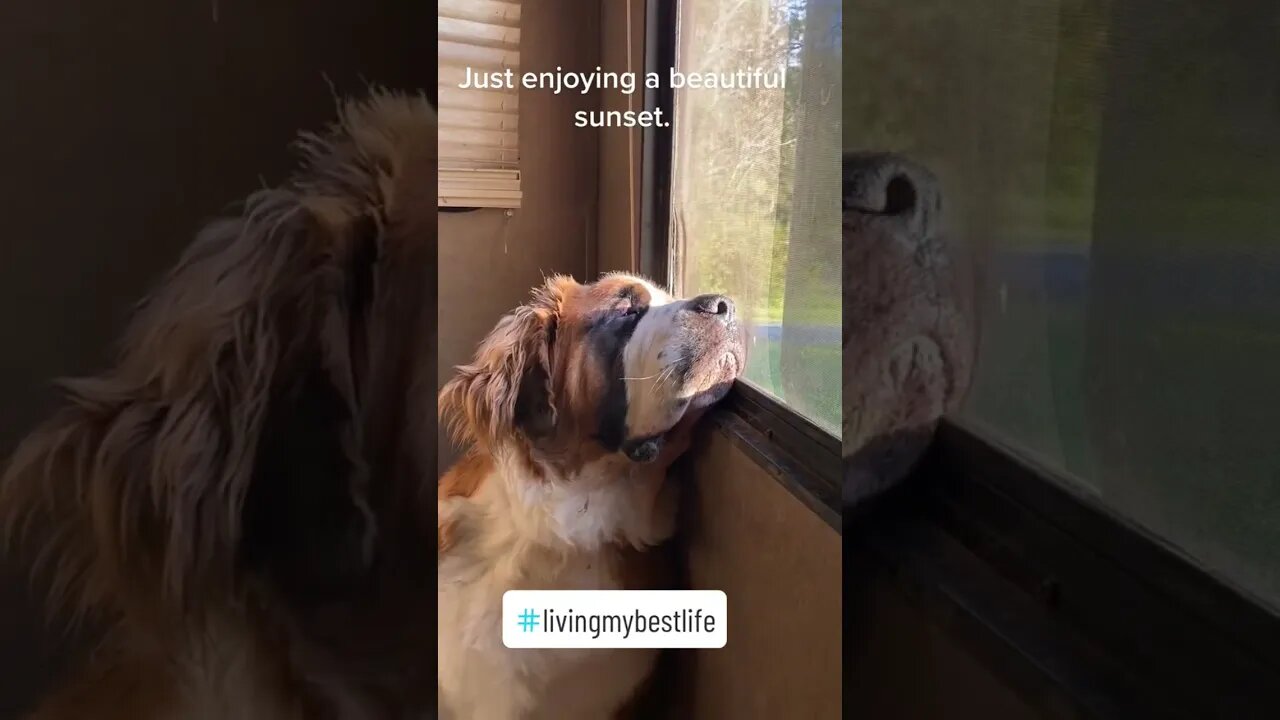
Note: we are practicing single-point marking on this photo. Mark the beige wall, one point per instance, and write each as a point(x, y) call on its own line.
point(779, 565)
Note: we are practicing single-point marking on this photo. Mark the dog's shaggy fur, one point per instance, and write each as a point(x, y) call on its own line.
point(575, 405)
point(240, 501)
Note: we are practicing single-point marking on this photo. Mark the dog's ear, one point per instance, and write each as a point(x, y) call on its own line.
point(508, 387)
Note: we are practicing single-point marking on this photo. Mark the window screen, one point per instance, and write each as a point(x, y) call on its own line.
point(756, 186)
point(1115, 169)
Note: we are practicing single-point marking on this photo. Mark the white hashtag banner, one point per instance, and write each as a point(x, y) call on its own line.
point(614, 618)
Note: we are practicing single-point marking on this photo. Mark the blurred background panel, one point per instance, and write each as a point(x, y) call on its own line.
point(125, 127)
point(1112, 169)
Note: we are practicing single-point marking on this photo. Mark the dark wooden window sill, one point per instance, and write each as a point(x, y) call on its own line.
point(802, 457)
point(1072, 605)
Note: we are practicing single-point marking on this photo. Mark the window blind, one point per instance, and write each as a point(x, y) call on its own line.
point(479, 129)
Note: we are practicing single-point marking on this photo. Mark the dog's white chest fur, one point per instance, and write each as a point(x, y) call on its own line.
point(518, 535)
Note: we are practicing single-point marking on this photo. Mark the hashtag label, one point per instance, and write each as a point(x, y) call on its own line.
point(614, 619)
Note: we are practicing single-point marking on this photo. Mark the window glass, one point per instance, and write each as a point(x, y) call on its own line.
point(756, 186)
point(1114, 168)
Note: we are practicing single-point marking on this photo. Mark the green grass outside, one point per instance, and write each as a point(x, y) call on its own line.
point(821, 365)
point(820, 310)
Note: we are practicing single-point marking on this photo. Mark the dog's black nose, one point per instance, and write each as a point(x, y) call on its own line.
point(719, 305)
point(891, 188)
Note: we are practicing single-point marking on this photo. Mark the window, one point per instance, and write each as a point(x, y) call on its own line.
point(479, 129)
point(1114, 167)
point(755, 195)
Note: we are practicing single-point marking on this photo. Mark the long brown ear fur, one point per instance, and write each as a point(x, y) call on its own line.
point(133, 497)
point(507, 387)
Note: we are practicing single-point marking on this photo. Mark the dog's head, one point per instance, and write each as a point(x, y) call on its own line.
point(271, 404)
point(613, 367)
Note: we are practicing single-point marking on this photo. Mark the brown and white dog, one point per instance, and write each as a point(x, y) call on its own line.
point(240, 502)
point(574, 407)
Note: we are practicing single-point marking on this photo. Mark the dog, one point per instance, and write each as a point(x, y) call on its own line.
point(573, 408)
point(238, 507)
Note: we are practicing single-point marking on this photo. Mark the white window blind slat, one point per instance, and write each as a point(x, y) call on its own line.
point(450, 96)
point(478, 129)
point(480, 57)
point(480, 179)
point(458, 156)
point(482, 138)
point(485, 11)
point(473, 33)
point(479, 119)
point(470, 202)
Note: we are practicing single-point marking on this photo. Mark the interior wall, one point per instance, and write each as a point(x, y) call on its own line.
point(126, 125)
point(490, 258)
point(778, 563)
